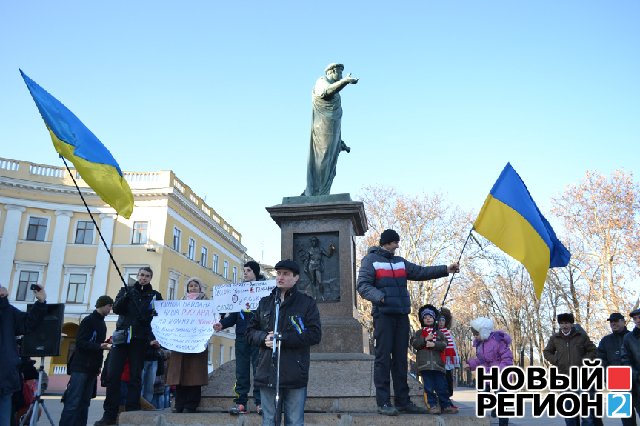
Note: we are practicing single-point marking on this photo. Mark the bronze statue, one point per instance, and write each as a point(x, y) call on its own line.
point(313, 261)
point(326, 141)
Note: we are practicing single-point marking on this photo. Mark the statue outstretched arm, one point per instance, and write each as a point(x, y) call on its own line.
point(334, 88)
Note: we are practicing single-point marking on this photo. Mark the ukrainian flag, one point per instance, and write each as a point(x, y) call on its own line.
point(77, 144)
point(511, 220)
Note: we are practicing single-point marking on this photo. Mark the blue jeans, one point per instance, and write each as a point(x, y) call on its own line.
point(5, 409)
point(246, 359)
point(148, 379)
point(77, 399)
point(292, 401)
point(435, 383)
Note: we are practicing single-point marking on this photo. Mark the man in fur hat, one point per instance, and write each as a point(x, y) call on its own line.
point(569, 347)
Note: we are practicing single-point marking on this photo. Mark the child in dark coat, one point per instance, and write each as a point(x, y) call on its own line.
point(430, 344)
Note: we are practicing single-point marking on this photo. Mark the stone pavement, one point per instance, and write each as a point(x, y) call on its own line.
point(464, 398)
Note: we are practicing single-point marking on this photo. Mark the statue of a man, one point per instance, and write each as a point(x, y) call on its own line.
point(326, 141)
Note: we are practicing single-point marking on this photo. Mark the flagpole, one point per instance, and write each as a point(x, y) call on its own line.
point(95, 224)
point(444, 299)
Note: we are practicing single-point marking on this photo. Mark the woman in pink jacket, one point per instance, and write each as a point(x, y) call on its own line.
point(492, 349)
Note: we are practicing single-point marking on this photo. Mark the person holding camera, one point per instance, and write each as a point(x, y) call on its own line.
point(132, 337)
point(14, 322)
point(85, 364)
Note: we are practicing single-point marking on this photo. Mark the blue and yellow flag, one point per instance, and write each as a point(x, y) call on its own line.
point(511, 220)
point(77, 144)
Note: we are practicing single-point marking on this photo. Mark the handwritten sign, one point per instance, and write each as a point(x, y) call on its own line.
point(242, 296)
point(184, 325)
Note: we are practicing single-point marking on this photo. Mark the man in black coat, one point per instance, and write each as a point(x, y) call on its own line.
point(14, 322)
point(85, 363)
point(610, 346)
point(631, 357)
point(298, 329)
point(610, 349)
point(133, 335)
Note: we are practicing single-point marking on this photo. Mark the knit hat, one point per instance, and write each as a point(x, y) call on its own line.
point(103, 301)
point(634, 313)
point(388, 236)
point(429, 310)
point(566, 317)
point(255, 267)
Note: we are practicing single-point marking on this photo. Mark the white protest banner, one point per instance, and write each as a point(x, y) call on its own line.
point(236, 297)
point(184, 325)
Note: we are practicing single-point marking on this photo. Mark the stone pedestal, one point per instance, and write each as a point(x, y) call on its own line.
point(323, 229)
point(335, 221)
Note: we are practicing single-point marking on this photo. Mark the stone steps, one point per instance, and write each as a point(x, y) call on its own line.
point(166, 417)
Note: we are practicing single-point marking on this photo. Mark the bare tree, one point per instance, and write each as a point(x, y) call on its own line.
point(601, 216)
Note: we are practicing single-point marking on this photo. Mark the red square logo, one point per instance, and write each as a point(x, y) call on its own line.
point(619, 378)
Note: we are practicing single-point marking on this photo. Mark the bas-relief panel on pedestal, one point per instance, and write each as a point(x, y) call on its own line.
point(318, 257)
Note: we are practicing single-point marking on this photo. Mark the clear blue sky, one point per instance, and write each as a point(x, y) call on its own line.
point(219, 92)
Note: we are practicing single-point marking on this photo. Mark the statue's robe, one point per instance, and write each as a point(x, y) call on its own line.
point(325, 141)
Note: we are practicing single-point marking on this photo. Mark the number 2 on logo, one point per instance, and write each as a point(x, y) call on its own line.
point(619, 404)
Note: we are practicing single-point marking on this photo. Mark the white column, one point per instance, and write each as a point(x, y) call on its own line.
point(9, 240)
point(55, 279)
point(103, 261)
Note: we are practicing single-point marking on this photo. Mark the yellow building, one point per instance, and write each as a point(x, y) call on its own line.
point(47, 237)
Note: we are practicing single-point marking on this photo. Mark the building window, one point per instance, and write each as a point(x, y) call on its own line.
point(191, 250)
point(24, 293)
point(172, 289)
point(139, 233)
point(37, 229)
point(84, 232)
point(221, 354)
point(204, 254)
point(214, 267)
point(77, 284)
point(225, 270)
point(176, 239)
point(231, 354)
point(235, 274)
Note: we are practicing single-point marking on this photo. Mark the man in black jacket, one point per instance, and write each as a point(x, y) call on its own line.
point(133, 335)
point(14, 322)
point(85, 364)
point(631, 356)
point(298, 329)
point(382, 280)
point(610, 346)
point(610, 349)
point(246, 354)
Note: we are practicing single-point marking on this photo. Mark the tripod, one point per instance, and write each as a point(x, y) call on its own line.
point(37, 402)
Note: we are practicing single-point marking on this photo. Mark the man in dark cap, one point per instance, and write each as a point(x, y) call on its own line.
point(85, 363)
point(610, 349)
point(246, 354)
point(382, 280)
point(569, 347)
point(631, 357)
point(298, 329)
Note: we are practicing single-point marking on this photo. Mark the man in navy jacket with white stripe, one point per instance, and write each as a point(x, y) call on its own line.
point(382, 280)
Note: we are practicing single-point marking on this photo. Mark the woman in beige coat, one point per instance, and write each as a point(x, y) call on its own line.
point(189, 372)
